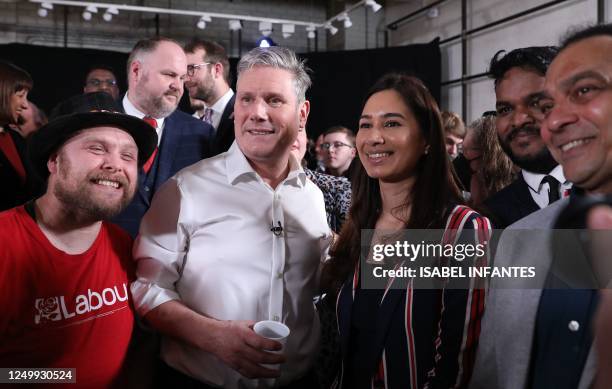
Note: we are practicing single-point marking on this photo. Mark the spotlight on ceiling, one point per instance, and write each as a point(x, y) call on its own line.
point(345, 18)
point(265, 28)
point(332, 30)
point(87, 14)
point(311, 31)
point(373, 4)
point(288, 30)
point(42, 12)
point(265, 41)
point(202, 22)
point(235, 25)
point(108, 15)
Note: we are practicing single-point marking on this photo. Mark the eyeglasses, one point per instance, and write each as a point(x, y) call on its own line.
point(191, 69)
point(335, 145)
point(97, 83)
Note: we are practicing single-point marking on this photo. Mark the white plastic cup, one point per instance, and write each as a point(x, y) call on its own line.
point(273, 330)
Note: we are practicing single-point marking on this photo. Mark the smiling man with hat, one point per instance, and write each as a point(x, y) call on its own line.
point(65, 270)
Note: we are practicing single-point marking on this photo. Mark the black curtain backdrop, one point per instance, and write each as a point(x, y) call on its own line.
point(340, 79)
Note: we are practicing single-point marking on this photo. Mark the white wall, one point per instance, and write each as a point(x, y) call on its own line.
point(543, 28)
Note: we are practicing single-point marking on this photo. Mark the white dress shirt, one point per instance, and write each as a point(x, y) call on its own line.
point(206, 241)
point(131, 110)
point(539, 190)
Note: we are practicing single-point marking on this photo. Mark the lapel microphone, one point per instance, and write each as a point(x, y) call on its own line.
point(277, 230)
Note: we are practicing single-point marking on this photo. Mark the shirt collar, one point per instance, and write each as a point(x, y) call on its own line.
point(534, 180)
point(238, 166)
point(131, 110)
point(219, 105)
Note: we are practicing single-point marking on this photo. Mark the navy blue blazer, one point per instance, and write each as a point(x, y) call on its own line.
point(511, 204)
point(185, 141)
point(224, 137)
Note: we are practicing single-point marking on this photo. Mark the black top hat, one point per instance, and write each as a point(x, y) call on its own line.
point(82, 112)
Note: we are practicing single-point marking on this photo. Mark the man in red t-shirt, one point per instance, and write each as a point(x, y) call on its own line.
point(64, 270)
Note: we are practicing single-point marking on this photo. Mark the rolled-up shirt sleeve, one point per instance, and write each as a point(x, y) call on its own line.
point(160, 249)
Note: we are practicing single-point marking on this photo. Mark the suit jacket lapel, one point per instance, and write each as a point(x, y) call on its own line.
point(167, 148)
point(525, 196)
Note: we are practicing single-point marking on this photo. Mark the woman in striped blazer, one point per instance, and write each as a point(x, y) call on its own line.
point(400, 336)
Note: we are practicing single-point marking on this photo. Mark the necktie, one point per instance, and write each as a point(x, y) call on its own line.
point(207, 117)
point(147, 165)
point(553, 188)
point(7, 147)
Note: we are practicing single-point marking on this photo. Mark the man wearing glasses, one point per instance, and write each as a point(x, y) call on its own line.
point(339, 151)
point(101, 78)
point(208, 80)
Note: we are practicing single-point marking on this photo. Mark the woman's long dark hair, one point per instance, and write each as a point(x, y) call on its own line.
point(12, 80)
point(433, 190)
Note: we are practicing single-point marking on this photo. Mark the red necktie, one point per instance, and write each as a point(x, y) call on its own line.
point(147, 165)
point(7, 147)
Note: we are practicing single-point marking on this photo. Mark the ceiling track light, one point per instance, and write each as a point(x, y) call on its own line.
point(89, 11)
point(44, 9)
point(345, 19)
point(108, 15)
point(288, 30)
point(46, 5)
point(235, 25)
point(332, 30)
point(265, 28)
point(373, 4)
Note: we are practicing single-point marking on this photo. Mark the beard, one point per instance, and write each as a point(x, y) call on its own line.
point(158, 107)
point(204, 90)
point(541, 163)
point(84, 202)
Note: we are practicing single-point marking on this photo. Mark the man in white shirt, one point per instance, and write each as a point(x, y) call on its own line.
point(519, 80)
point(236, 239)
point(208, 80)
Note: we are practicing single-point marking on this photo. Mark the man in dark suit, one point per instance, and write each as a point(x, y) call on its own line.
point(208, 80)
point(519, 78)
point(156, 72)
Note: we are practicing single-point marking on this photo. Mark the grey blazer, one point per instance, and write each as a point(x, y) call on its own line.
point(504, 351)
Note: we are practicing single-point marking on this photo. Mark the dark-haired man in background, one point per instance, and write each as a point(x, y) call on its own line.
point(208, 80)
point(519, 78)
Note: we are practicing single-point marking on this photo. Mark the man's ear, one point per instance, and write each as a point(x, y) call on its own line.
point(52, 163)
point(218, 67)
point(304, 111)
point(135, 70)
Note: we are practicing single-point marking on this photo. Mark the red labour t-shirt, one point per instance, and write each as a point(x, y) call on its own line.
point(62, 310)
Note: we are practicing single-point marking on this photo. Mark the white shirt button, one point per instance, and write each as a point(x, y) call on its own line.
point(573, 326)
point(279, 275)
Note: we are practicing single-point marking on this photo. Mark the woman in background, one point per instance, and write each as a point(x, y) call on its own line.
point(17, 182)
point(491, 168)
point(403, 338)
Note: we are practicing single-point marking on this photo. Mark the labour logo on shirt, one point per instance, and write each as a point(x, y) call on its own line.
point(56, 308)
